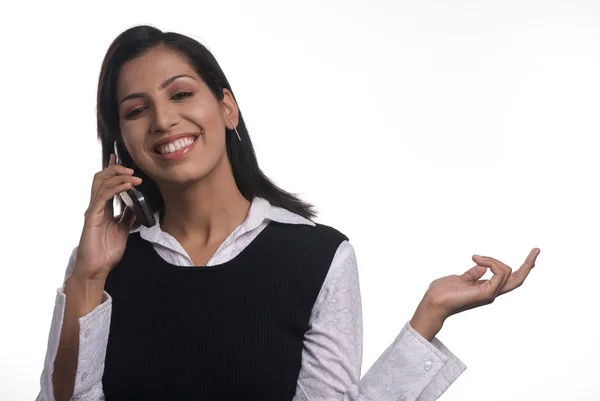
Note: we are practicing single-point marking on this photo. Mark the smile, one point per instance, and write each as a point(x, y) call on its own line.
point(178, 147)
point(175, 146)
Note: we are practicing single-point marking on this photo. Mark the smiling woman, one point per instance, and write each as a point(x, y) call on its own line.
point(158, 78)
point(235, 293)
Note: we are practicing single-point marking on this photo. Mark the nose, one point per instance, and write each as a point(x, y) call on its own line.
point(165, 117)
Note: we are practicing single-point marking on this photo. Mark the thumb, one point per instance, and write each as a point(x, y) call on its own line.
point(474, 273)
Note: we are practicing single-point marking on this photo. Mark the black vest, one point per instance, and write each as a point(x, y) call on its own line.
point(227, 332)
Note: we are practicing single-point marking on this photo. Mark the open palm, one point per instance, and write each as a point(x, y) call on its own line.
point(456, 293)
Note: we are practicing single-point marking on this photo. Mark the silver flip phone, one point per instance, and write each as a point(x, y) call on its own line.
point(136, 201)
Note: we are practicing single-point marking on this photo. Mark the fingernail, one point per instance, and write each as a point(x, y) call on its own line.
point(137, 179)
point(477, 256)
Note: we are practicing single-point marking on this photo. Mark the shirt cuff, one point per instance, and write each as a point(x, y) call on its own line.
point(410, 369)
point(93, 339)
point(451, 370)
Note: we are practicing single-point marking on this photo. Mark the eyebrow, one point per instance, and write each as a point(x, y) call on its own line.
point(162, 86)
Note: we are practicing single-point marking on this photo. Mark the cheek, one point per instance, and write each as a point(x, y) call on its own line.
point(133, 131)
point(205, 114)
point(134, 144)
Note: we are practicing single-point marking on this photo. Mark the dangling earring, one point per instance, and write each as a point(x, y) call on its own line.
point(235, 129)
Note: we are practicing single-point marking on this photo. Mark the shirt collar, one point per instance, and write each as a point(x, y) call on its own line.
point(260, 210)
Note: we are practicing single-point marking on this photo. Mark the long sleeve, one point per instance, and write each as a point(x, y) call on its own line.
point(410, 369)
point(93, 338)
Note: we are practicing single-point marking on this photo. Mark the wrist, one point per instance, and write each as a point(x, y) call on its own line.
point(427, 321)
point(83, 295)
point(427, 329)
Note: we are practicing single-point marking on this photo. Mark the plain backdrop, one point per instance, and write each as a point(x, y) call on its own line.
point(427, 131)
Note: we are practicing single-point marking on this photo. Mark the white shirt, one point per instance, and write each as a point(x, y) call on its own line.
point(411, 368)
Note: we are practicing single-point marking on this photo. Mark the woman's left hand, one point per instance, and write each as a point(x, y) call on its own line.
point(453, 294)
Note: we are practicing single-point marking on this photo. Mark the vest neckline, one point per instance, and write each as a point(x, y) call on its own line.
point(228, 264)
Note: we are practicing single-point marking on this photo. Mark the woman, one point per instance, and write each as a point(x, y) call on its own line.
point(234, 293)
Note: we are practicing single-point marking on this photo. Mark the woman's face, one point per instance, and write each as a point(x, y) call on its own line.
point(171, 123)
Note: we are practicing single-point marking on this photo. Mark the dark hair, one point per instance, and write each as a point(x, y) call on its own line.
point(249, 178)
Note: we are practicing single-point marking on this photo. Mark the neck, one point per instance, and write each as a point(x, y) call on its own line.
point(206, 211)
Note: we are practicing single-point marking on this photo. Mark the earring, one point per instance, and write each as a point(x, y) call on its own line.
point(235, 129)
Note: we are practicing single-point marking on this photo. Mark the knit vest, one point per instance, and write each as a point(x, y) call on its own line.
point(228, 332)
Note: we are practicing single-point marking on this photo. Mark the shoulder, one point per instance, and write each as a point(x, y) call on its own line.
point(318, 241)
point(288, 221)
point(330, 231)
point(315, 231)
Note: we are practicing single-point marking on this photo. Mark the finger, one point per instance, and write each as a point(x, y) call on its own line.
point(486, 260)
point(517, 278)
point(111, 171)
point(99, 202)
point(115, 169)
point(119, 179)
point(112, 159)
point(474, 273)
point(494, 285)
point(110, 188)
point(479, 258)
point(531, 258)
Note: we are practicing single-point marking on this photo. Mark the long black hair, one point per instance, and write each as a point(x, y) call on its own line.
point(249, 178)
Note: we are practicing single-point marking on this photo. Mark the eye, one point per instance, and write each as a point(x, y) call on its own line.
point(135, 112)
point(181, 95)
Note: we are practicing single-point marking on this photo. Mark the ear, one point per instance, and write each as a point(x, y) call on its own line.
point(230, 109)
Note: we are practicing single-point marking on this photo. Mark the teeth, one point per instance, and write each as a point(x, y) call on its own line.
point(175, 146)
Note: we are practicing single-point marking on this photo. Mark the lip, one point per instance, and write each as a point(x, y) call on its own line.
point(173, 138)
point(177, 154)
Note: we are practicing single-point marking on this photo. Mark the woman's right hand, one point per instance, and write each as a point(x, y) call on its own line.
point(104, 236)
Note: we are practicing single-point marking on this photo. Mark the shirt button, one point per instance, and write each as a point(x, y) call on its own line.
point(87, 333)
point(427, 366)
point(402, 398)
point(83, 377)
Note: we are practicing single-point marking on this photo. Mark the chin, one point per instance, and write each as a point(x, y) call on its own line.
point(194, 167)
point(183, 175)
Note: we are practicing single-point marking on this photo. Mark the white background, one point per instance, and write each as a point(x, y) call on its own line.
point(426, 131)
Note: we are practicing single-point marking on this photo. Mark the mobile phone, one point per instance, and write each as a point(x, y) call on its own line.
point(136, 201)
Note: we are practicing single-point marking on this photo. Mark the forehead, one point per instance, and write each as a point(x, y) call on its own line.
point(150, 69)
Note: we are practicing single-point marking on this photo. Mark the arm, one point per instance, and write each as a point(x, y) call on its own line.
point(77, 341)
point(411, 368)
